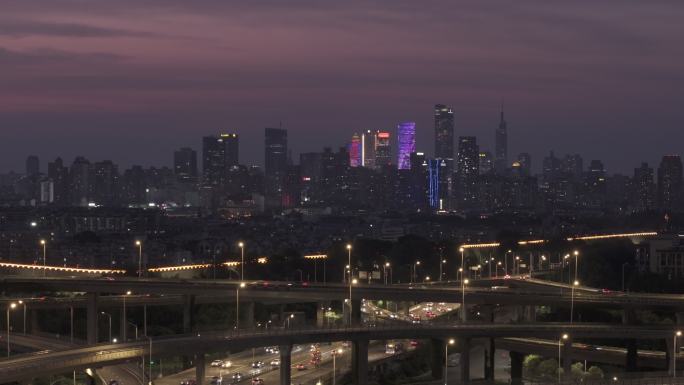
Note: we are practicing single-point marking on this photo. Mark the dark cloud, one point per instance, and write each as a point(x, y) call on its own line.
point(24, 28)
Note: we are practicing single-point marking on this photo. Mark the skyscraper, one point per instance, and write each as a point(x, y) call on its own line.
point(232, 150)
point(525, 161)
point(501, 160)
point(406, 138)
point(383, 155)
point(213, 161)
point(368, 149)
point(669, 182)
point(444, 134)
point(32, 165)
point(275, 165)
point(185, 164)
point(485, 162)
point(467, 171)
point(355, 151)
point(643, 187)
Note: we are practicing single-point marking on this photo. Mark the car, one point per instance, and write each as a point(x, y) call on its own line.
point(216, 380)
point(301, 367)
point(275, 362)
point(189, 381)
point(237, 377)
point(257, 381)
point(226, 364)
point(413, 343)
point(257, 364)
point(216, 363)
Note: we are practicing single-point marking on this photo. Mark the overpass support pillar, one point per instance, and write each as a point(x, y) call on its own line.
point(188, 316)
point(355, 312)
point(516, 367)
point(489, 360)
point(631, 357)
point(567, 357)
point(679, 316)
point(437, 358)
point(359, 362)
point(247, 315)
point(123, 324)
point(200, 366)
point(35, 326)
point(91, 318)
point(285, 364)
point(529, 313)
point(628, 316)
point(321, 309)
point(669, 348)
point(465, 360)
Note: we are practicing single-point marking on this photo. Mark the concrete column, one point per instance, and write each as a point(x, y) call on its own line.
point(465, 360)
point(516, 367)
point(356, 312)
point(679, 317)
point(91, 318)
point(529, 313)
point(631, 358)
point(669, 347)
point(628, 316)
point(247, 315)
point(34, 326)
point(490, 355)
point(359, 362)
point(200, 366)
point(123, 327)
point(437, 358)
point(566, 356)
point(285, 364)
point(188, 314)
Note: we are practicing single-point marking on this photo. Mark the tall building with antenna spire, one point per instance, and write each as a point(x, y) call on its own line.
point(501, 154)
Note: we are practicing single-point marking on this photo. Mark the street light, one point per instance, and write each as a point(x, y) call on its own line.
point(678, 333)
point(335, 353)
point(387, 266)
point(560, 365)
point(139, 244)
point(124, 335)
point(44, 244)
point(414, 276)
point(446, 356)
point(109, 316)
point(11, 306)
point(572, 299)
point(241, 245)
point(351, 308)
point(288, 320)
point(464, 282)
point(462, 250)
point(237, 305)
point(516, 265)
point(444, 261)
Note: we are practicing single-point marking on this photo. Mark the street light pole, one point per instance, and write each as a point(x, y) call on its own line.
point(237, 305)
point(44, 244)
point(124, 335)
point(242, 260)
point(9, 307)
point(334, 354)
point(560, 365)
point(109, 316)
point(464, 282)
point(139, 244)
point(351, 308)
point(678, 333)
point(446, 357)
point(572, 300)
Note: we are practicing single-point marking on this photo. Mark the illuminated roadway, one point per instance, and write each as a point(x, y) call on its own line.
point(18, 367)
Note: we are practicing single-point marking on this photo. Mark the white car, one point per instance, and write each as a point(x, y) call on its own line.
point(275, 362)
point(226, 364)
point(216, 363)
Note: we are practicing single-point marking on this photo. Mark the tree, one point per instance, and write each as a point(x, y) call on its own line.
point(531, 365)
point(548, 369)
point(577, 371)
point(595, 373)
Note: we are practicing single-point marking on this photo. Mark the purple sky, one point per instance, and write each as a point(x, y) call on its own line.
point(131, 80)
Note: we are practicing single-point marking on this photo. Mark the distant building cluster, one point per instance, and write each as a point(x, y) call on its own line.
point(377, 171)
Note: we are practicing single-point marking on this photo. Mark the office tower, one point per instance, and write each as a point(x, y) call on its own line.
point(32, 165)
point(59, 175)
point(415, 187)
point(595, 186)
point(486, 165)
point(669, 182)
point(467, 171)
point(368, 149)
point(572, 165)
point(551, 167)
point(134, 186)
point(644, 187)
point(406, 138)
point(501, 161)
point(185, 164)
point(310, 169)
point(232, 150)
point(213, 161)
point(105, 183)
point(525, 161)
point(80, 182)
point(444, 134)
point(275, 165)
point(438, 177)
point(355, 151)
point(383, 155)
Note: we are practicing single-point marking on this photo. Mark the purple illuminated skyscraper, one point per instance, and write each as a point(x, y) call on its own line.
point(406, 137)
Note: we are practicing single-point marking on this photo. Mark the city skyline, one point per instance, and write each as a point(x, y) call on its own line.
point(597, 81)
